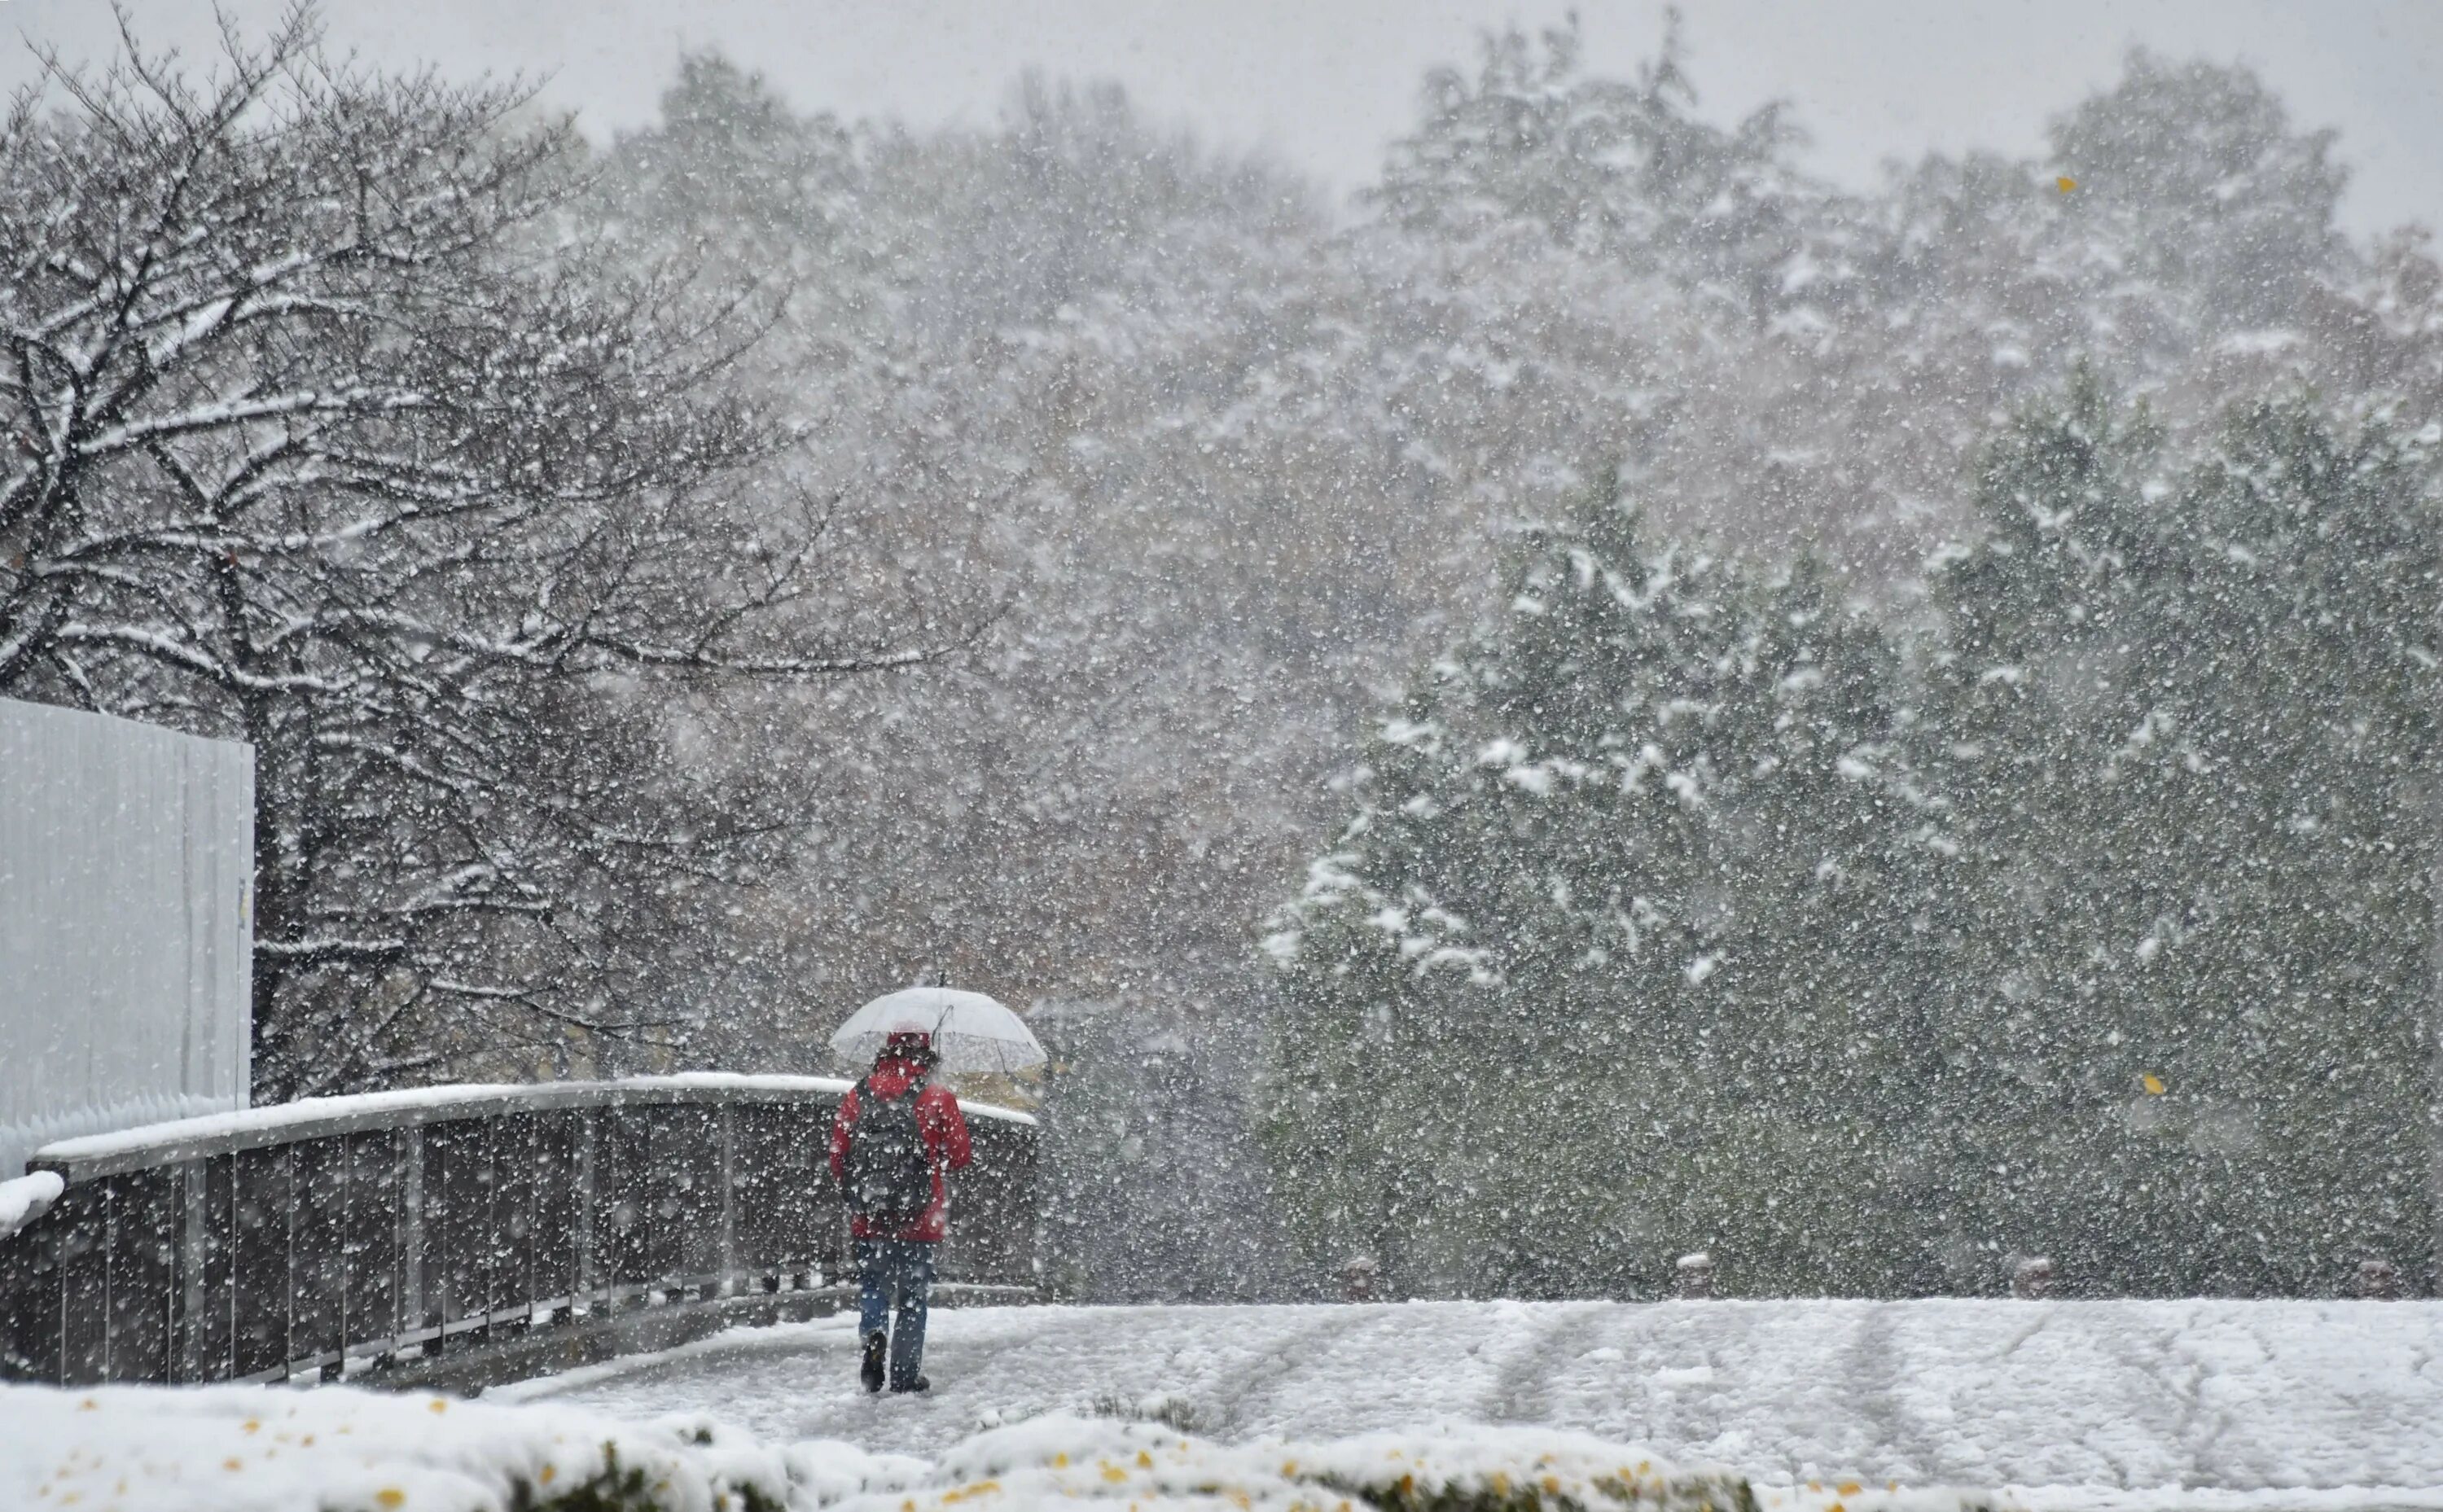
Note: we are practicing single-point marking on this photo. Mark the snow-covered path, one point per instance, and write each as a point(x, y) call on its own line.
point(2218, 1402)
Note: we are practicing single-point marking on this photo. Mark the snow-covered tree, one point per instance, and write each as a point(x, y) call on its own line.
point(1667, 919)
point(732, 164)
point(2184, 722)
point(324, 440)
point(1605, 965)
point(1616, 168)
point(1243, 465)
point(2193, 171)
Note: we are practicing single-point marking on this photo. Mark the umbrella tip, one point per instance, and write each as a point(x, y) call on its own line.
point(935, 976)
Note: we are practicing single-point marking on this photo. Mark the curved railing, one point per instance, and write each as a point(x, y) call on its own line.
point(386, 1232)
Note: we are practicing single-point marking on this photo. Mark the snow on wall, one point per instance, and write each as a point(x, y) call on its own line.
point(127, 876)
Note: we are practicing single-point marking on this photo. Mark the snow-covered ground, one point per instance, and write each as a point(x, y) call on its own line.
point(2193, 1404)
point(340, 1450)
point(1824, 1407)
point(251, 1448)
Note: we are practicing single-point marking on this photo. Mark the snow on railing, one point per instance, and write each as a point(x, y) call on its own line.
point(326, 1235)
point(27, 1198)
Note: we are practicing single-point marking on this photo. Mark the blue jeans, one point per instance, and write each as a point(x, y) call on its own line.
point(898, 1277)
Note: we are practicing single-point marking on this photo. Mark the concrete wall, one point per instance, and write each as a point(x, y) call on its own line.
point(126, 925)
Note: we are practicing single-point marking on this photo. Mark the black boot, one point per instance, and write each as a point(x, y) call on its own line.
point(869, 1370)
point(919, 1384)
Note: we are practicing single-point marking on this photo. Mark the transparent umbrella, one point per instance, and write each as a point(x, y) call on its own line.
point(971, 1031)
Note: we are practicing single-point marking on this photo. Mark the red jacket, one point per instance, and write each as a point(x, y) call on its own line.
point(945, 1130)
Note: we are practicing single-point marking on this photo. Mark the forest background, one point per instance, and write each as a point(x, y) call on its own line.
point(1869, 732)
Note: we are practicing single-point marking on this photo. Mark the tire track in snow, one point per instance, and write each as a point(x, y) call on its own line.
point(1872, 1381)
point(1265, 1378)
point(2114, 1397)
point(1523, 1381)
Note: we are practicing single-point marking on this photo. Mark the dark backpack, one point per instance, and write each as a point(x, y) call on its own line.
point(889, 1171)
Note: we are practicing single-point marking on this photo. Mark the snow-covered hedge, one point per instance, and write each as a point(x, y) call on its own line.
point(239, 1448)
point(236, 1448)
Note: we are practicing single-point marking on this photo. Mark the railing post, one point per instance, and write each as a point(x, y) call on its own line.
point(258, 1217)
point(414, 1311)
point(289, 1243)
point(85, 1282)
point(33, 1297)
point(2377, 1279)
point(2032, 1278)
point(209, 1326)
point(1695, 1274)
point(589, 1281)
point(728, 1134)
point(194, 1256)
point(1357, 1279)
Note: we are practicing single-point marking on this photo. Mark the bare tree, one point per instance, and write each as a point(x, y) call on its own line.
point(325, 432)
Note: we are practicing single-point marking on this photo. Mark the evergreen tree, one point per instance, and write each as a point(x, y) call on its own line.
point(1599, 969)
point(2183, 724)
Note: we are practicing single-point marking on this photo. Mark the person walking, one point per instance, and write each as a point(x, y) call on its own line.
point(895, 1140)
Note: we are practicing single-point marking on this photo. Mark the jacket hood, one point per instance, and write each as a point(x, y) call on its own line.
point(890, 1076)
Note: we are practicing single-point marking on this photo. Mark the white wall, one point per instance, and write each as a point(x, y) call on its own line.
point(126, 927)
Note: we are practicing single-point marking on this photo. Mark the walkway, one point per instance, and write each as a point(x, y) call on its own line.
point(2233, 1400)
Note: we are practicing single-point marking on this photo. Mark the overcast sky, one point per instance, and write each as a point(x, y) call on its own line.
point(1322, 83)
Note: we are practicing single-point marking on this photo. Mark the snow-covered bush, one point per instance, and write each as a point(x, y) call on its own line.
point(249, 1449)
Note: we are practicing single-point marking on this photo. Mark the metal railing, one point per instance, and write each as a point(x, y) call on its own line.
point(326, 1236)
